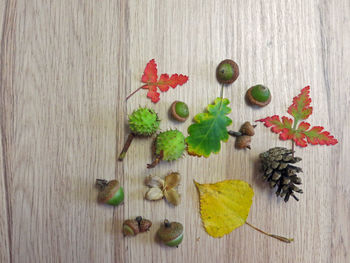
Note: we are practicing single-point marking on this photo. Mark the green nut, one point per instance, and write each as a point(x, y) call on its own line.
point(110, 192)
point(179, 111)
point(227, 71)
point(259, 95)
point(171, 234)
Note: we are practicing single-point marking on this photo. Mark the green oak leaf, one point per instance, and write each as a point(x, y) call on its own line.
point(209, 129)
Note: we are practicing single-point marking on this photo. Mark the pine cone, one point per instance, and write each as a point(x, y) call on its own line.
point(278, 171)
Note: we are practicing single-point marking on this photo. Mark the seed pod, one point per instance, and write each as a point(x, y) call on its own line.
point(110, 192)
point(154, 181)
point(247, 129)
point(243, 142)
point(179, 111)
point(130, 227)
point(258, 95)
point(154, 193)
point(171, 234)
point(227, 71)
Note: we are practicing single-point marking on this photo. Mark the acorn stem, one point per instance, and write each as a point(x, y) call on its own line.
point(234, 133)
point(280, 238)
point(167, 223)
point(101, 183)
point(128, 97)
point(138, 219)
point(126, 146)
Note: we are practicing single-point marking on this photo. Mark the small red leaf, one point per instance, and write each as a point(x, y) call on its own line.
point(276, 124)
point(175, 79)
point(150, 73)
point(317, 136)
point(300, 109)
point(153, 94)
point(150, 77)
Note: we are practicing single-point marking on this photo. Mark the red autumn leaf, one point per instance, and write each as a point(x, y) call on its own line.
point(150, 78)
point(317, 136)
point(175, 79)
point(289, 129)
point(300, 109)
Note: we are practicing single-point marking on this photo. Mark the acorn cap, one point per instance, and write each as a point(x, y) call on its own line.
point(144, 225)
point(179, 111)
point(258, 95)
point(227, 71)
point(112, 194)
point(130, 227)
point(247, 129)
point(171, 233)
point(243, 142)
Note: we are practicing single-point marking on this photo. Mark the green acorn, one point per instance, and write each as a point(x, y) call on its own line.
point(227, 71)
point(171, 234)
point(110, 192)
point(168, 146)
point(142, 122)
point(259, 95)
point(179, 111)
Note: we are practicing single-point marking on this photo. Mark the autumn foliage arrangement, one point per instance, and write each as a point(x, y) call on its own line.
point(224, 205)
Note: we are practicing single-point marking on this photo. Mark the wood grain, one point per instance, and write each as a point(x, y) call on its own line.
point(66, 67)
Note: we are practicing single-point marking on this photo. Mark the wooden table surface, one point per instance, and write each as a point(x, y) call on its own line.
point(66, 68)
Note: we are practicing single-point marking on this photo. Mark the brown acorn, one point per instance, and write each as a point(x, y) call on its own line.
point(243, 142)
point(130, 227)
point(144, 224)
point(247, 129)
point(110, 192)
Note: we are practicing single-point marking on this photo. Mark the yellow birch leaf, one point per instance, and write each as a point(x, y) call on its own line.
point(224, 205)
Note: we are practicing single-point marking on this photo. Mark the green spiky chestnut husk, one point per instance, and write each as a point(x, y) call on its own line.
point(171, 143)
point(144, 122)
